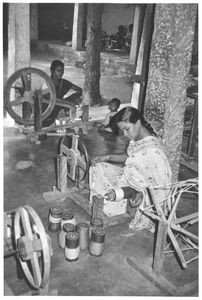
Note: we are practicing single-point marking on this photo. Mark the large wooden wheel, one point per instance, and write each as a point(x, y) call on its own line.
point(32, 242)
point(19, 93)
point(179, 229)
point(77, 157)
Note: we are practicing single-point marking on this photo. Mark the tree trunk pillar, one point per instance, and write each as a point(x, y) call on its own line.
point(91, 89)
point(170, 59)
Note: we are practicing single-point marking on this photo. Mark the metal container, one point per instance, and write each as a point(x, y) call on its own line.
point(68, 227)
point(83, 230)
point(55, 214)
point(95, 223)
point(67, 217)
point(72, 248)
point(96, 244)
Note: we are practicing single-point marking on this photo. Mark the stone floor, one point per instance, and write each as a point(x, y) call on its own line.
point(109, 274)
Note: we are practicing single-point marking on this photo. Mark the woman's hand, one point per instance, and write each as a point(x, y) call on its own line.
point(98, 159)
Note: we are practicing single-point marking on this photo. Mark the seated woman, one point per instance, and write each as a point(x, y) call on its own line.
point(145, 164)
point(62, 87)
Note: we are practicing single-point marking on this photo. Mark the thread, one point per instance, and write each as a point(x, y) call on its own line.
point(95, 223)
point(67, 217)
point(96, 244)
point(68, 227)
point(72, 249)
point(120, 194)
point(83, 230)
point(55, 214)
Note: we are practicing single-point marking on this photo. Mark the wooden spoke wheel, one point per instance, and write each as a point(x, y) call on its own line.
point(32, 242)
point(77, 157)
point(19, 94)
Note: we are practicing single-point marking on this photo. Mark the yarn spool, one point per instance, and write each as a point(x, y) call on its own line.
point(72, 249)
point(96, 245)
point(83, 230)
point(95, 223)
point(120, 194)
point(55, 214)
point(67, 217)
point(68, 227)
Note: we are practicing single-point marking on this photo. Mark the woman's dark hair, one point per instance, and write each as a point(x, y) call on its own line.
point(129, 114)
point(56, 63)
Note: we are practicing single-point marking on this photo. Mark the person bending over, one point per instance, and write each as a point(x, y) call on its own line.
point(113, 106)
point(145, 165)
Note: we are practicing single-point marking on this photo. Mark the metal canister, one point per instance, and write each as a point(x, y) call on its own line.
point(72, 248)
point(95, 223)
point(67, 217)
point(68, 227)
point(83, 230)
point(96, 244)
point(55, 214)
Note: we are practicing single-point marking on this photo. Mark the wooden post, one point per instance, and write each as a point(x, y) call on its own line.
point(137, 28)
point(91, 89)
point(37, 110)
point(78, 25)
point(142, 58)
point(62, 173)
point(160, 245)
point(34, 21)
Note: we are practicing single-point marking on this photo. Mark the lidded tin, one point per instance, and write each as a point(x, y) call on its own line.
point(95, 223)
point(83, 230)
point(55, 214)
point(68, 227)
point(72, 249)
point(67, 217)
point(96, 244)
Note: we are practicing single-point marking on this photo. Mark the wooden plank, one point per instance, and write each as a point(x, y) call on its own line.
point(157, 280)
point(159, 247)
point(80, 197)
point(37, 110)
point(82, 202)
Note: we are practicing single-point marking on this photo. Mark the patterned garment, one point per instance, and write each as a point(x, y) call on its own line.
point(145, 167)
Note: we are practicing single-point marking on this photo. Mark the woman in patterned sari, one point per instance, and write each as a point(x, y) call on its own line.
point(145, 165)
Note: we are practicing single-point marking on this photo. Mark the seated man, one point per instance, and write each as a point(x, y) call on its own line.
point(62, 87)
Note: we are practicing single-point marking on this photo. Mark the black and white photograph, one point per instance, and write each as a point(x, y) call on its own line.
point(100, 148)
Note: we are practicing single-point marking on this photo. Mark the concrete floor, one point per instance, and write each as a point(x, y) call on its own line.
point(107, 275)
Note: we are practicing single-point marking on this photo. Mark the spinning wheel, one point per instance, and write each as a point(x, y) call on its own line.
point(19, 94)
point(178, 229)
point(77, 157)
point(32, 245)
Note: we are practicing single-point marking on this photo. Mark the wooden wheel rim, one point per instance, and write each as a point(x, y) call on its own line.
point(73, 152)
point(39, 279)
point(7, 89)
